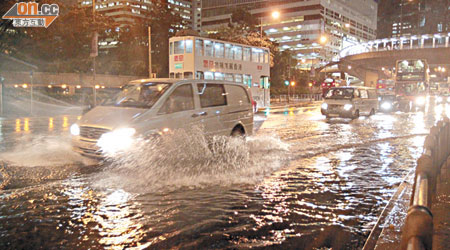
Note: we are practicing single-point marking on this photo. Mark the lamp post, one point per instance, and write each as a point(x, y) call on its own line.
point(275, 15)
point(94, 53)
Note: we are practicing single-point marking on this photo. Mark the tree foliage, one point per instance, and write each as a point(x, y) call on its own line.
point(66, 44)
point(243, 29)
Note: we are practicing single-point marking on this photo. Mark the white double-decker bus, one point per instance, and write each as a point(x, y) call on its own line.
point(194, 57)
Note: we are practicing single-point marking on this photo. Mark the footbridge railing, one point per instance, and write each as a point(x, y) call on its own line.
point(439, 40)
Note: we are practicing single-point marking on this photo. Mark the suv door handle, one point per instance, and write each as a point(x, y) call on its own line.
point(199, 114)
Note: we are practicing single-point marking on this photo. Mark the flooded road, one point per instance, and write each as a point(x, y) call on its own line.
point(301, 182)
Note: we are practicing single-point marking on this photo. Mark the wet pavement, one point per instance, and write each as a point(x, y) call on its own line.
point(301, 182)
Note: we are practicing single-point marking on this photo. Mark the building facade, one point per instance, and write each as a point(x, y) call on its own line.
point(398, 18)
point(315, 30)
point(128, 12)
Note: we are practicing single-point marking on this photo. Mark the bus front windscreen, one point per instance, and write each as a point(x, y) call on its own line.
point(411, 70)
point(411, 89)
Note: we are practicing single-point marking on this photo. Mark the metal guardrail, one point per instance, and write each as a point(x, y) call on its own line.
point(296, 98)
point(417, 231)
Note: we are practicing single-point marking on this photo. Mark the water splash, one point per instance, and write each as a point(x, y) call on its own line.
point(43, 150)
point(189, 159)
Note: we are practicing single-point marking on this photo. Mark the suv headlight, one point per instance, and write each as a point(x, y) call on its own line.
point(386, 105)
point(348, 107)
point(420, 100)
point(117, 140)
point(324, 105)
point(75, 129)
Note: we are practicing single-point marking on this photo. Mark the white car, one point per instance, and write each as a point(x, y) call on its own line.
point(151, 107)
point(350, 102)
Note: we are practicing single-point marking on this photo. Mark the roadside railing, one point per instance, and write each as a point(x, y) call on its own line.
point(417, 231)
point(296, 98)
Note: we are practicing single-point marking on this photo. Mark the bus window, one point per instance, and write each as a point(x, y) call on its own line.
point(179, 47)
point(248, 80)
point(247, 54)
point(199, 47)
point(171, 48)
point(218, 50)
point(218, 76)
point(266, 56)
point(189, 46)
point(228, 51)
point(238, 78)
point(255, 55)
point(172, 75)
point(199, 75)
point(188, 75)
point(208, 48)
point(237, 53)
point(228, 77)
point(179, 75)
point(261, 56)
point(209, 75)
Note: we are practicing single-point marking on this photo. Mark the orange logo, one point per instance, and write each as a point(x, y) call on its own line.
point(28, 14)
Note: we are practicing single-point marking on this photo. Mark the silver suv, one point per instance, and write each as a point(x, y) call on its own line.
point(151, 107)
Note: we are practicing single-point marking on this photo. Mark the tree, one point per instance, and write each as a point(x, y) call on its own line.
point(243, 30)
point(62, 47)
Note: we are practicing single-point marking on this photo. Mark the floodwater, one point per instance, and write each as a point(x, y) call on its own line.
point(301, 182)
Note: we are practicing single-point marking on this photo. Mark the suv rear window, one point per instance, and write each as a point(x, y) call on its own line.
point(211, 95)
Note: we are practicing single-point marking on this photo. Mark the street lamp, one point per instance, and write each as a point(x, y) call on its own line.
point(275, 15)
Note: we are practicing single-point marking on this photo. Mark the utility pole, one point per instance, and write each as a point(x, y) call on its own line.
point(150, 74)
point(94, 53)
point(31, 92)
point(2, 88)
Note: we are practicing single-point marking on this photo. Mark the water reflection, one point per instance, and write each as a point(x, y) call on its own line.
point(50, 124)
point(18, 125)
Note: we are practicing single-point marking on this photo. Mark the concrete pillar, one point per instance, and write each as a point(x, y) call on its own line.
point(370, 79)
point(422, 42)
point(446, 41)
point(411, 43)
point(434, 42)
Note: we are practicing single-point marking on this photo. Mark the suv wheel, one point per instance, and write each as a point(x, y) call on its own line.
point(237, 132)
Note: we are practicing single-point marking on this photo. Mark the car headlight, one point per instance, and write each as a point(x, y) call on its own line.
point(324, 106)
point(420, 100)
point(348, 107)
point(117, 140)
point(75, 129)
point(440, 99)
point(448, 99)
point(386, 106)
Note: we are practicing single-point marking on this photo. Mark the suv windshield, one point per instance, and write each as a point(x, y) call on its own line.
point(143, 95)
point(339, 93)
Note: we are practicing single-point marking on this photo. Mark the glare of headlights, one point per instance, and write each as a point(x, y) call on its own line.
point(348, 107)
point(117, 140)
point(448, 99)
point(324, 106)
point(386, 105)
point(439, 99)
point(75, 129)
point(420, 100)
